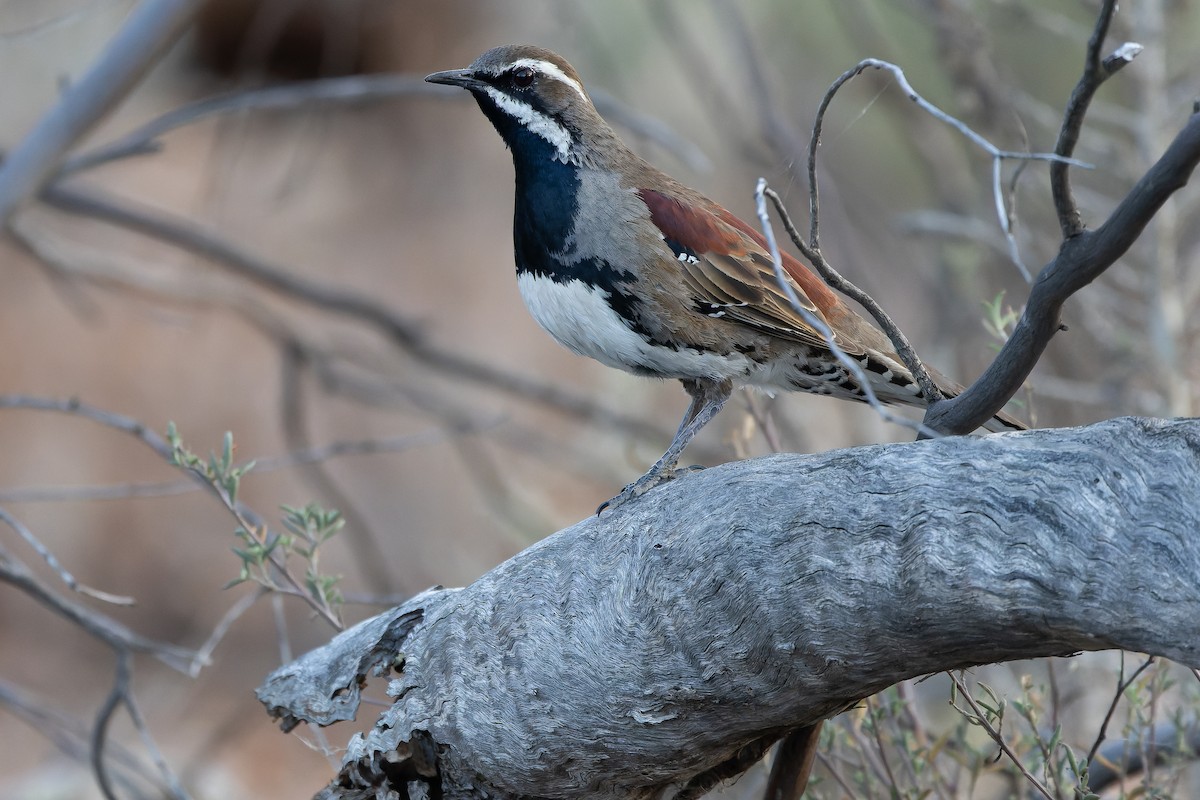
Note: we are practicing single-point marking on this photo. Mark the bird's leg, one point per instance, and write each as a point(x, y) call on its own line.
point(708, 396)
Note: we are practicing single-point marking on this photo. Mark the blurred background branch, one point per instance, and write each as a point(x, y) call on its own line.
point(261, 221)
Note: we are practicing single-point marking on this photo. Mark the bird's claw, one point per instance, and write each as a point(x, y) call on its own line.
point(645, 484)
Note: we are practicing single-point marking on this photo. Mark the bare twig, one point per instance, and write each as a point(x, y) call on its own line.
point(763, 420)
point(874, 715)
point(54, 564)
point(100, 626)
point(1122, 684)
point(953, 226)
point(364, 548)
point(1080, 260)
point(866, 749)
point(985, 397)
point(353, 89)
point(70, 735)
point(195, 239)
point(104, 716)
point(852, 366)
point(152, 27)
point(170, 780)
point(1096, 70)
point(998, 155)
point(831, 276)
point(117, 422)
point(1173, 742)
point(837, 776)
point(232, 615)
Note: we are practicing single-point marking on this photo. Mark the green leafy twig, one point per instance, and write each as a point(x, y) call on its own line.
point(990, 717)
point(264, 555)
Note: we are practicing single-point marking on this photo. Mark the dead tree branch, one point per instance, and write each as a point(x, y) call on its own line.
point(632, 653)
point(153, 26)
point(1080, 260)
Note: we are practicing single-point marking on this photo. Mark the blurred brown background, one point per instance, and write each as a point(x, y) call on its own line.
point(407, 201)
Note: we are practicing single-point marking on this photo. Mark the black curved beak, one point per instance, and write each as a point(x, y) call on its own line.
point(455, 77)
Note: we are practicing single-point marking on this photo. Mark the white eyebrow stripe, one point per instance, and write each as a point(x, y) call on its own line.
point(551, 70)
point(535, 121)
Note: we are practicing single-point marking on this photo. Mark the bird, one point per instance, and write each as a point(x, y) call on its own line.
point(620, 262)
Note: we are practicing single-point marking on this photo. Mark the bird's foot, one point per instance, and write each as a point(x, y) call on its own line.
point(644, 484)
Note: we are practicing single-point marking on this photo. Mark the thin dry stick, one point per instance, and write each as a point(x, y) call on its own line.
point(897, 728)
point(941, 782)
point(1122, 685)
point(819, 325)
point(145, 138)
point(70, 735)
point(113, 633)
point(998, 155)
point(1148, 741)
point(1096, 70)
point(764, 422)
point(54, 564)
point(1080, 260)
point(365, 546)
point(811, 248)
point(873, 713)
point(235, 612)
point(170, 780)
point(831, 768)
point(1083, 255)
point(866, 749)
point(100, 727)
point(904, 348)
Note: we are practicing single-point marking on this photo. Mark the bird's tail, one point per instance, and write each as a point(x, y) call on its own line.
point(1004, 422)
point(896, 385)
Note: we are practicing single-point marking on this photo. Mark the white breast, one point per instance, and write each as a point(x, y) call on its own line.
point(578, 316)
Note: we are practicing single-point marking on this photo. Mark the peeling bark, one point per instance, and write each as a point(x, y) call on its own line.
point(636, 650)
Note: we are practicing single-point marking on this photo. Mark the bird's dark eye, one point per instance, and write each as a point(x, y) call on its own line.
point(522, 77)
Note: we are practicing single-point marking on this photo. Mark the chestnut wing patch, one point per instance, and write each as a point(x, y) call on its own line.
point(731, 274)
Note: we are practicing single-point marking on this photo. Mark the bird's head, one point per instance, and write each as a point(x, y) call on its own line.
point(536, 101)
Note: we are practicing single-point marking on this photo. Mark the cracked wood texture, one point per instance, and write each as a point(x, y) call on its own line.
point(631, 652)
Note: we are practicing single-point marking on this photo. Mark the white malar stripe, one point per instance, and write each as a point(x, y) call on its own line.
point(579, 317)
point(535, 121)
point(550, 70)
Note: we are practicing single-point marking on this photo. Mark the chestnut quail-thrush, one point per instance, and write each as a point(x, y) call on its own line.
point(620, 262)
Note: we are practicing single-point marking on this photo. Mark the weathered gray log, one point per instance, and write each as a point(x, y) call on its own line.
point(636, 650)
